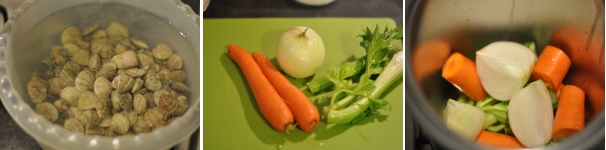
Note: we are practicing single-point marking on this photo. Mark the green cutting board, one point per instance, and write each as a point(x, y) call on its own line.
point(231, 118)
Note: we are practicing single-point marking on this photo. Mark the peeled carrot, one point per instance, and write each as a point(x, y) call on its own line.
point(438, 50)
point(306, 114)
point(498, 140)
point(271, 104)
point(461, 72)
point(551, 67)
point(570, 116)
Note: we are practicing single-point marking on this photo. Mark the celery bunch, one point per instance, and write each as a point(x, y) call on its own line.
point(351, 101)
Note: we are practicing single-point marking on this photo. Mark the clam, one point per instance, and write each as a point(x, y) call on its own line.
point(115, 99)
point(164, 75)
point(71, 95)
point(119, 123)
point(126, 101)
point(56, 85)
point(72, 67)
point(167, 103)
point(82, 57)
point(141, 91)
point(87, 100)
point(109, 132)
point(61, 105)
point(85, 81)
point(125, 60)
point(174, 62)
point(149, 98)
point(179, 87)
point(157, 95)
point(160, 123)
point(124, 46)
point(103, 107)
point(141, 125)
point(105, 121)
point(48, 111)
point(73, 124)
point(71, 48)
point(107, 70)
point(139, 104)
point(67, 77)
point(102, 47)
point(162, 51)
point(37, 90)
point(131, 116)
point(102, 86)
point(139, 43)
point(123, 83)
point(137, 85)
point(116, 31)
point(135, 72)
point(177, 76)
point(99, 34)
point(182, 106)
point(94, 62)
point(145, 61)
point(152, 116)
point(152, 80)
point(71, 35)
point(89, 118)
point(89, 29)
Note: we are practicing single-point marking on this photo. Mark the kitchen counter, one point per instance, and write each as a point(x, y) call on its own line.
point(288, 8)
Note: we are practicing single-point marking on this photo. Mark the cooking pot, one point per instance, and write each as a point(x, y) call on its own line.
point(37, 25)
point(577, 27)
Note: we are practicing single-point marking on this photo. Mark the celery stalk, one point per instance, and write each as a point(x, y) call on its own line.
point(391, 73)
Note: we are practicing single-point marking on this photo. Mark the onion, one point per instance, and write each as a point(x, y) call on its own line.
point(504, 67)
point(464, 119)
point(300, 52)
point(531, 115)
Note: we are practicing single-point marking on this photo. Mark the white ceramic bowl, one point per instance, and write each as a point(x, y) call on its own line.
point(37, 24)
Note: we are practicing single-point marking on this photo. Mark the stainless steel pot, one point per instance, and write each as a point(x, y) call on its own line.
point(577, 27)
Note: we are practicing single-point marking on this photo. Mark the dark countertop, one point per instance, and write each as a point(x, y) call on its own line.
point(288, 8)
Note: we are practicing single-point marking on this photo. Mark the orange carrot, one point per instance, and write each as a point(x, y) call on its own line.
point(570, 116)
point(551, 67)
point(306, 114)
point(271, 104)
point(498, 140)
point(461, 72)
point(438, 50)
point(593, 86)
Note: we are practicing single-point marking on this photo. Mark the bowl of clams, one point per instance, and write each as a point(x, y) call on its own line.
point(102, 74)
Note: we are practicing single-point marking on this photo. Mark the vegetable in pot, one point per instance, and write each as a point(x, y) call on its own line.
point(504, 67)
point(531, 115)
point(463, 119)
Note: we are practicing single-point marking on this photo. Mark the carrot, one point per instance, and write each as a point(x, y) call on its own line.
point(498, 140)
point(271, 104)
point(438, 50)
point(551, 67)
point(593, 86)
point(461, 72)
point(570, 116)
point(306, 114)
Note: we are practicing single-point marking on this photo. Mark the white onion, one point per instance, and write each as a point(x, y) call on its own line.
point(300, 52)
point(504, 67)
point(531, 115)
point(463, 119)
